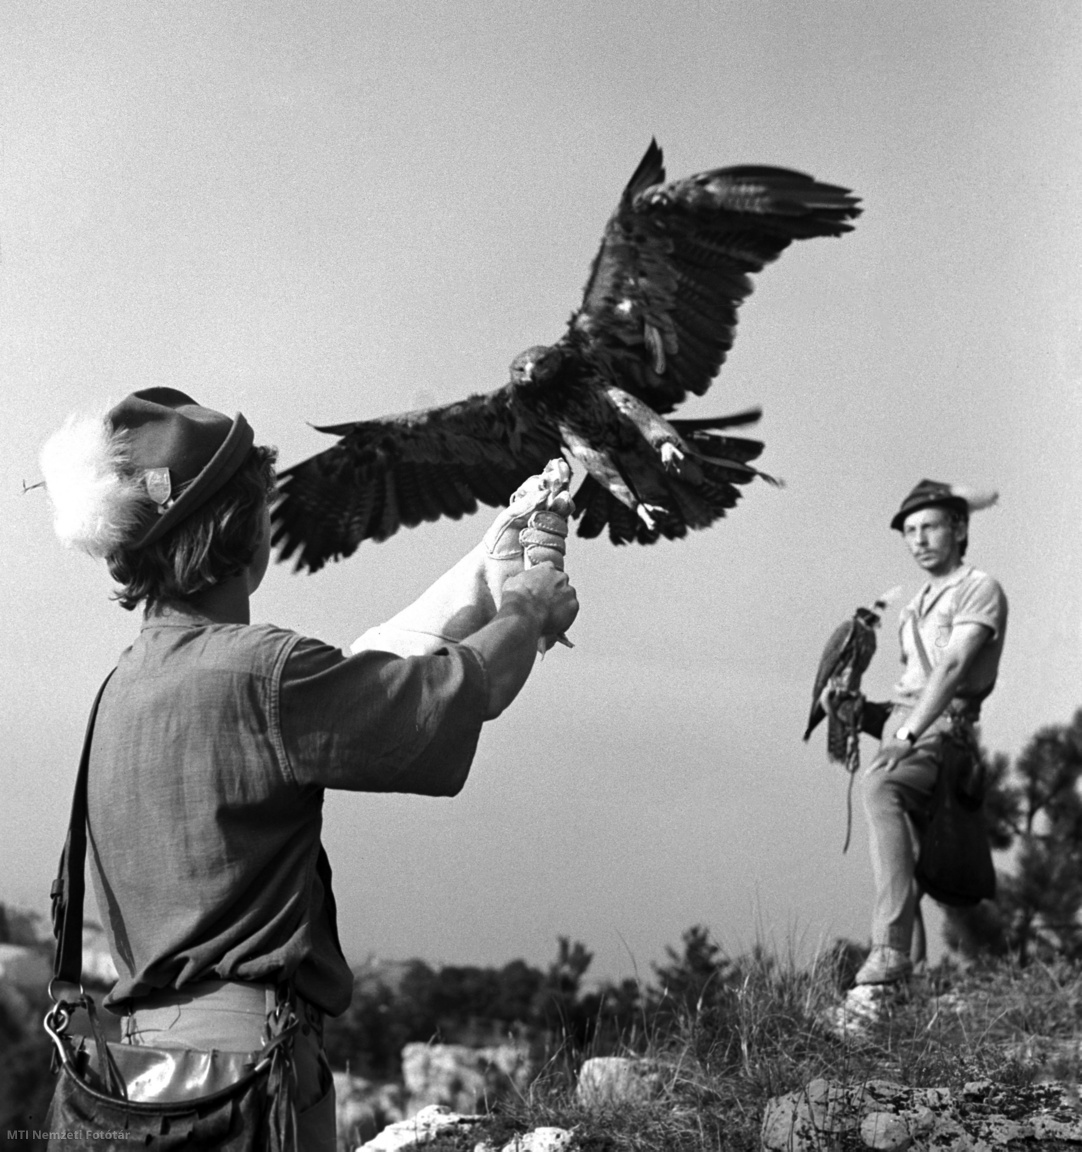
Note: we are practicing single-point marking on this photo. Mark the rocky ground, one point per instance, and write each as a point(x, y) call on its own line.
point(971, 1062)
point(981, 1060)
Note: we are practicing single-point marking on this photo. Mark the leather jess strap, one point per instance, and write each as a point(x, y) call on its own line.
point(69, 887)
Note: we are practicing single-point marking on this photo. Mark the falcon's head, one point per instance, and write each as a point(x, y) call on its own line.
point(874, 614)
point(537, 365)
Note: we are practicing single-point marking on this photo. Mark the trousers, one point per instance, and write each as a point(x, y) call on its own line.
point(230, 1016)
point(891, 800)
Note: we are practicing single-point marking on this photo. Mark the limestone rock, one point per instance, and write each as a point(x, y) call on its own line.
point(607, 1080)
point(463, 1078)
point(27, 969)
point(541, 1140)
point(363, 1107)
point(887, 1116)
point(26, 952)
point(885, 1130)
point(24, 975)
point(415, 1132)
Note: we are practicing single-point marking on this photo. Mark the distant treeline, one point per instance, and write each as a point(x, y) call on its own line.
point(1033, 808)
point(395, 1004)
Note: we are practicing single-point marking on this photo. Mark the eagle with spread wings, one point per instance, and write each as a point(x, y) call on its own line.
point(657, 318)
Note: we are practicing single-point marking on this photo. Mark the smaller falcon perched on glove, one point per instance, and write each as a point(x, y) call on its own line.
point(845, 659)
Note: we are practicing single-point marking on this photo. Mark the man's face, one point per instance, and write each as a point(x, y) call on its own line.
point(934, 539)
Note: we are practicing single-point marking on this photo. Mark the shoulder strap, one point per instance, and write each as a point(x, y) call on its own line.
point(918, 646)
point(69, 886)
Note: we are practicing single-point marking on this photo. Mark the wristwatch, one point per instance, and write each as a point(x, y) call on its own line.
point(903, 733)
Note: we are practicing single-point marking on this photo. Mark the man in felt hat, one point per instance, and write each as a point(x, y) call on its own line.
point(951, 637)
point(216, 739)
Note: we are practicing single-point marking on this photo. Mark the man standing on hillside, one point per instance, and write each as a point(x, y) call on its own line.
point(951, 636)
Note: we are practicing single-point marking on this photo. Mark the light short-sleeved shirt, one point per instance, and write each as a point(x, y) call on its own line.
point(213, 746)
point(968, 596)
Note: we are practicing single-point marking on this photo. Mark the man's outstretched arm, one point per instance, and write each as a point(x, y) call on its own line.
point(467, 597)
point(539, 602)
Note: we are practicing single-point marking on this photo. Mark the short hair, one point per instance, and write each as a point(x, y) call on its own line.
point(960, 519)
point(217, 541)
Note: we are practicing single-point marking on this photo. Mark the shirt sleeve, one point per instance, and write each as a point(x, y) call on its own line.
point(981, 601)
point(375, 722)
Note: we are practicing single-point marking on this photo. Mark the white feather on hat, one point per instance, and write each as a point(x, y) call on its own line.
point(95, 505)
point(977, 498)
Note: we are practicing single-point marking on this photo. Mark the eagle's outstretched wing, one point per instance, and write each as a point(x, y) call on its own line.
point(399, 470)
point(661, 300)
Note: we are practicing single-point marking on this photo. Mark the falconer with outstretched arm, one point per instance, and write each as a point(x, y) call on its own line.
point(216, 738)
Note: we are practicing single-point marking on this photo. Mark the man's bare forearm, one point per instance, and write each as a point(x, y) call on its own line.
point(454, 607)
point(937, 694)
point(947, 676)
point(507, 645)
point(534, 604)
point(940, 688)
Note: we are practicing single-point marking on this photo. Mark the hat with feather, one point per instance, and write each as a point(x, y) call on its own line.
point(934, 494)
point(126, 479)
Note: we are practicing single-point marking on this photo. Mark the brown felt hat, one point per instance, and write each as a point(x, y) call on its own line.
point(185, 452)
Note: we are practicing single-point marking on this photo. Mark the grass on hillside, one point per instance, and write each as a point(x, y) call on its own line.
point(765, 1036)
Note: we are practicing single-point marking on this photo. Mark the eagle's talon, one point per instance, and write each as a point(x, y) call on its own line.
point(671, 457)
point(644, 511)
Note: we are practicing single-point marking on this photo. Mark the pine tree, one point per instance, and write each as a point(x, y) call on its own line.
point(1035, 809)
point(556, 1002)
point(693, 981)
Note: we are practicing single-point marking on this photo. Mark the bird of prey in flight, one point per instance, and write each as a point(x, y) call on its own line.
point(657, 318)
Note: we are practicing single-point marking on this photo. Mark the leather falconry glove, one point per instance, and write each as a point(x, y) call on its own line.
point(531, 530)
point(503, 543)
point(544, 539)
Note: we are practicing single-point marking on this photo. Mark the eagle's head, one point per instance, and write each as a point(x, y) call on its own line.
point(537, 365)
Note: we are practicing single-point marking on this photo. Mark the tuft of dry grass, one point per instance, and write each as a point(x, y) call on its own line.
point(766, 1036)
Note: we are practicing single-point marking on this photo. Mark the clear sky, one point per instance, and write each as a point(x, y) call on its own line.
point(317, 212)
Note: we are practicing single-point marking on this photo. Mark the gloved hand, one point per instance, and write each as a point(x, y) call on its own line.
point(544, 539)
point(466, 597)
point(531, 529)
point(835, 701)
